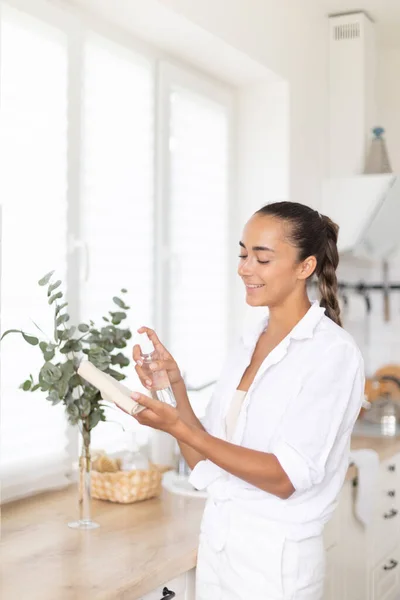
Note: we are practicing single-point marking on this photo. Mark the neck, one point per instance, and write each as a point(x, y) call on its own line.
point(284, 317)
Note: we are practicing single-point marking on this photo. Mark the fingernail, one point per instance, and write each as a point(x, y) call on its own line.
point(139, 363)
point(153, 367)
point(135, 395)
point(148, 382)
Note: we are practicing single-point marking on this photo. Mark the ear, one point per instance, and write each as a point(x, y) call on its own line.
point(307, 267)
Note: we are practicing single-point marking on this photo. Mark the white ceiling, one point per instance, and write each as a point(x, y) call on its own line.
point(385, 13)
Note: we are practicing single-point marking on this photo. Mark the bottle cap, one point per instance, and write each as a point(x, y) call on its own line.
point(145, 344)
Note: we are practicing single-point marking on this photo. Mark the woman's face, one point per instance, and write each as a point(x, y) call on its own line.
point(268, 263)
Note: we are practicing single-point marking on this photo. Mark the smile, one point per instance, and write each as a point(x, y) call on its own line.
point(253, 287)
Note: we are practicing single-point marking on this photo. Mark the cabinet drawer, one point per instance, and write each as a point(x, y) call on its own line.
point(389, 475)
point(385, 530)
point(177, 585)
point(386, 577)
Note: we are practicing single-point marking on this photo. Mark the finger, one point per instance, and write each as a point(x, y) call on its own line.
point(137, 353)
point(146, 401)
point(152, 336)
point(144, 379)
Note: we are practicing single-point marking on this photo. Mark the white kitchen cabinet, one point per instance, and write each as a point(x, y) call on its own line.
point(333, 582)
point(363, 563)
point(385, 577)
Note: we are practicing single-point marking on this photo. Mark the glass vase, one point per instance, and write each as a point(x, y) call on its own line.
point(84, 503)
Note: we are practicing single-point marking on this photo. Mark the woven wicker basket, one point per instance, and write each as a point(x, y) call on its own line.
point(127, 486)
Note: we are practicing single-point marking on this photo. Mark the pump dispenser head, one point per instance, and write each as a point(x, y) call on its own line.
point(145, 344)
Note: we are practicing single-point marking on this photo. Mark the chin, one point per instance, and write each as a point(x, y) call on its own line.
point(256, 301)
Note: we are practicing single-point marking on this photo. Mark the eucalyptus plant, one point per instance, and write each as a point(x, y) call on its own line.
point(63, 352)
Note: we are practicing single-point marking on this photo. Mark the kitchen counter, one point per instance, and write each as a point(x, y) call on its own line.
point(137, 548)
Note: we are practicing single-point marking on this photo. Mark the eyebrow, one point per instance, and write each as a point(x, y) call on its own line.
point(258, 248)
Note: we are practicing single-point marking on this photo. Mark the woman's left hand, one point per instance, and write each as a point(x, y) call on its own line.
point(157, 415)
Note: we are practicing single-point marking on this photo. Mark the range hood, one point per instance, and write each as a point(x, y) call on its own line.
point(365, 206)
point(367, 209)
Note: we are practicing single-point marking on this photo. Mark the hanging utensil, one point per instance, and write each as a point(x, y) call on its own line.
point(386, 305)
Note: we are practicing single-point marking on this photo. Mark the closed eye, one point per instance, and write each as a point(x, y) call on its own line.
point(262, 262)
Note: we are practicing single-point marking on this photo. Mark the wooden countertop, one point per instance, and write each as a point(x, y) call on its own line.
point(137, 548)
point(386, 447)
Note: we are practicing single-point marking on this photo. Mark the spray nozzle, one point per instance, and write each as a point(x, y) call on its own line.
point(146, 344)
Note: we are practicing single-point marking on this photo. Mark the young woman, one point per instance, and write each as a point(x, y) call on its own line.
point(273, 449)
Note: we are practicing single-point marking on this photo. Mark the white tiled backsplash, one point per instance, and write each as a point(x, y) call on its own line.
point(379, 341)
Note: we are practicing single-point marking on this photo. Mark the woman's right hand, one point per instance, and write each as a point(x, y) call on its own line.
point(164, 360)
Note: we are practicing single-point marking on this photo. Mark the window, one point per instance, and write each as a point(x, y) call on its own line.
point(127, 158)
point(33, 185)
point(198, 205)
point(117, 194)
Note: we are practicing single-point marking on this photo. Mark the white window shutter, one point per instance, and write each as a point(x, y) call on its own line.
point(117, 197)
point(33, 151)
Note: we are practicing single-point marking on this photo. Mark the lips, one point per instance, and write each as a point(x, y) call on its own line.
point(254, 286)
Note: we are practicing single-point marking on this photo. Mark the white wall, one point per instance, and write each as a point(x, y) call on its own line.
point(379, 340)
point(289, 38)
point(388, 92)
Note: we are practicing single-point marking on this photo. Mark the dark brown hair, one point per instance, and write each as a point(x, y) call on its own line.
point(316, 235)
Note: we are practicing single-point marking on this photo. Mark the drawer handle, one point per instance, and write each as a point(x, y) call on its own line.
point(393, 564)
point(392, 468)
point(169, 594)
point(391, 493)
point(392, 513)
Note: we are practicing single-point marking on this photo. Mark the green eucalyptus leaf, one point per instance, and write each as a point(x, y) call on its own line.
point(54, 397)
point(83, 327)
point(94, 419)
point(63, 335)
point(35, 387)
point(60, 307)
point(10, 331)
point(116, 374)
point(71, 346)
point(43, 385)
point(75, 381)
point(53, 287)
point(30, 339)
point(73, 410)
point(55, 297)
point(50, 373)
point(26, 386)
point(117, 317)
point(68, 398)
point(45, 280)
point(120, 359)
point(124, 291)
point(62, 319)
point(118, 301)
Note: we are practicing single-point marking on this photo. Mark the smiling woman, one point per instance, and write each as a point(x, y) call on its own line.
point(273, 448)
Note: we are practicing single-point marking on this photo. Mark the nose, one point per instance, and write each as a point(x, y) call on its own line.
point(245, 267)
